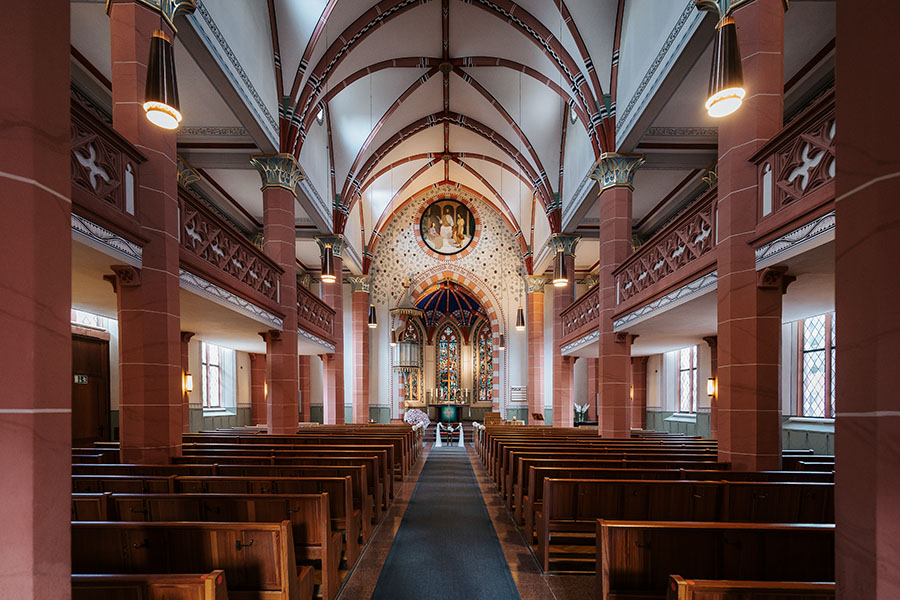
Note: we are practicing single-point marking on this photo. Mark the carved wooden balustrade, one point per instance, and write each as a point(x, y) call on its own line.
point(104, 174)
point(681, 249)
point(582, 316)
point(313, 315)
point(213, 249)
point(797, 168)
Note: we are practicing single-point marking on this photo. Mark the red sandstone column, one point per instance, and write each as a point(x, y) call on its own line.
point(303, 363)
point(615, 175)
point(333, 296)
point(280, 175)
point(713, 343)
point(534, 313)
point(867, 288)
point(593, 377)
point(258, 411)
point(749, 331)
point(35, 303)
point(151, 398)
point(639, 385)
point(360, 314)
point(185, 370)
point(563, 366)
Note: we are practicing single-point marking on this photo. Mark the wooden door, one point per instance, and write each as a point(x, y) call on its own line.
point(90, 391)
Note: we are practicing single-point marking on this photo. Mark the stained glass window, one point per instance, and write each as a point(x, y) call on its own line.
point(687, 379)
point(448, 364)
point(484, 363)
point(817, 366)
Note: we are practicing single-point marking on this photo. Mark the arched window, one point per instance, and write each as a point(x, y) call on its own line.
point(484, 363)
point(448, 363)
point(413, 380)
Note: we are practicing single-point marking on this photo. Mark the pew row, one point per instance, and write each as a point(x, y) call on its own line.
point(703, 589)
point(169, 586)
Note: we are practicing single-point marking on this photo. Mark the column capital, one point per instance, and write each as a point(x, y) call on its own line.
point(304, 280)
point(186, 336)
point(724, 8)
point(590, 281)
point(169, 9)
point(534, 284)
point(186, 173)
point(337, 242)
point(565, 242)
point(278, 170)
point(614, 170)
point(774, 278)
point(123, 276)
point(359, 283)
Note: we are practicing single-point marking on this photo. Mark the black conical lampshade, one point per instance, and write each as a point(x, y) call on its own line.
point(520, 319)
point(560, 272)
point(502, 344)
point(161, 93)
point(373, 321)
point(328, 275)
point(726, 79)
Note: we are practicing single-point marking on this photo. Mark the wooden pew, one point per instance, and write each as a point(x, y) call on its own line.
point(90, 507)
point(170, 586)
point(123, 484)
point(635, 558)
point(309, 516)
point(258, 557)
point(572, 506)
point(705, 589)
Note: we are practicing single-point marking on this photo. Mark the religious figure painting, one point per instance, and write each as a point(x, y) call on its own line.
point(447, 226)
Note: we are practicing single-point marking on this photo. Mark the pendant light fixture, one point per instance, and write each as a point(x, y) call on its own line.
point(520, 319)
point(502, 344)
point(373, 322)
point(560, 271)
point(161, 92)
point(393, 337)
point(726, 79)
point(328, 275)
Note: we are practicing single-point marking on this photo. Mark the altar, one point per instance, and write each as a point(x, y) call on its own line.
point(449, 412)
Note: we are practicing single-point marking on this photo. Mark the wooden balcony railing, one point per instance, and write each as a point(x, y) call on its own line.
point(213, 249)
point(679, 250)
point(582, 316)
point(104, 174)
point(313, 315)
point(797, 168)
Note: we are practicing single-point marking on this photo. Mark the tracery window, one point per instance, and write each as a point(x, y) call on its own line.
point(687, 379)
point(484, 363)
point(211, 361)
point(817, 344)
point(448, 363)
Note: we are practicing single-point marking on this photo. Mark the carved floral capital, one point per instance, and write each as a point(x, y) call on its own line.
point(123, 276)
point(359, 283)
point(337, 242)
point(535, 285)
point(616, 170)
point(278, 170)
point(564, 241)
point(774, 278)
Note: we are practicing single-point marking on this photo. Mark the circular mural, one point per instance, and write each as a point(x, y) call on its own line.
point(447, 227)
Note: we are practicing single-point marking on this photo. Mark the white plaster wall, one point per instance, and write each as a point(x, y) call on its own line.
point(113, 329)
point(654, 381)
point(579, 160)
point(242, 390)
point(704, 365)
point(581, 382)
point(789, 367)
point(314, 161)
point(380, 359)
point(316, 381)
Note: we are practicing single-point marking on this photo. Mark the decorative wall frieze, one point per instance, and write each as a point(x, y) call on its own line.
point(337, 242)
point(535, 285)
point(682, 132)
point(278, 170)
point(315, 339)
point(697, 287)
point(106, 239)
point(359, 283)
point(222, 296)
point(565, 242)
point(616, 170)
point(581, 342)
point(812, 231)
point(212, 131)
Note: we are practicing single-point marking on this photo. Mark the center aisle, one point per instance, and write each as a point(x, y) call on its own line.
point(446, 546)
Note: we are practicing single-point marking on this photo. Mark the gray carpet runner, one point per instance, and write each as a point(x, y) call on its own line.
point(446, 546)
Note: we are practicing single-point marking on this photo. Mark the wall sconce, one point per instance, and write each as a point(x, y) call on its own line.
point(265, 389)
point(161, 91)
point(631, 393)
point(520, 319)
point(726, 79)
point(188, 382)
point(711, 387)
point(373, 321)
